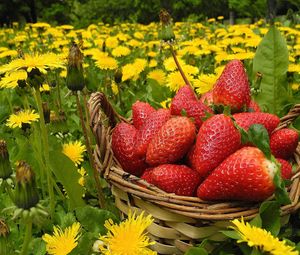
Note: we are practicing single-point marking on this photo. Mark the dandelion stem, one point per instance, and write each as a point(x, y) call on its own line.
point(101, 199)
point(179, 67)
point(7, 188)
point(27, 238)
point(46, 149)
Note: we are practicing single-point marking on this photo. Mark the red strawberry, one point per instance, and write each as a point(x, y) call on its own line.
point(284, 142)
point(190, 157)
point(245, 175)
point(147, 175)
point(197, 111)
point(286, 169)
point(246, 119)
point(232, 88)
point(185, 100)
point(217, 139)
point(182, 99)
point(153, 123)
point(207, 98)
point(172, 141)
point(123, 140)
point(178, 179)
point(140, 112)
point(253, 106)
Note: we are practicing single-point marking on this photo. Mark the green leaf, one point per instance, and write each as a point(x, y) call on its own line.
point(271, 60)
point(85, 244)
point(93, 219)
point(258, 135)
point(39, 246)
point(66, 173)
point(196, 251)
point(269, 213)
point(231, 234)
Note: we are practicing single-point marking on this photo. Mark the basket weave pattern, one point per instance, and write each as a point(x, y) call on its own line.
point(179, 221)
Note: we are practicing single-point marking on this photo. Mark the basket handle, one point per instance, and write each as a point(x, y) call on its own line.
point(101, 127)
point(293, 114)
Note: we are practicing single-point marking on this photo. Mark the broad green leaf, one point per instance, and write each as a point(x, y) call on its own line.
point(269, 212)
point(231, 234)
point(66, 173)
point(93, 219)
point(39, 246)
point(196, 251)
point(85, 244)
point(271, 60)
point(258, 135)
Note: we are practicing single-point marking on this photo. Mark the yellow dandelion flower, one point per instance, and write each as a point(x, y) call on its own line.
point(170, 64)
point(45, 88)
point(120, 51)
point(152, 54)
point(294, 68)
point(22, 117)
point(211, 20)
point(140, 64)
point(112, 42)
point(220, 17)
point(295, 86)
point(205, 83)
point(62, 242)
point(30, 62)
point(152, 63)
point(10, 80)
point(8, 53)
point(261, 238)
point(40, 25)
point(114, 88)
point(188, 69)
point(128, 237)
point(166, 103)
point(74, 151)
point(128, 72)
point(158, 75)
point(107, 63)
point(82, 173)
point(175, 81)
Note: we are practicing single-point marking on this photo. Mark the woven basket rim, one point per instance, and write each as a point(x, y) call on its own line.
point(192, 207)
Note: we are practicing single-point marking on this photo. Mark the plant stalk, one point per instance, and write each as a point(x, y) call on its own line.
point(27, 238)
point(101, 199)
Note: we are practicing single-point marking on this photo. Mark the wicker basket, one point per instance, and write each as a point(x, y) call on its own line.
point(180, 221)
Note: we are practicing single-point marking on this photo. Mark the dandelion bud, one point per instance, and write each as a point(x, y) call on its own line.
point(5, 167)
point(26, 194)
point(46, 112)
point(118, 76)
point(166, 33)
point(4, 232)
point(75, 79)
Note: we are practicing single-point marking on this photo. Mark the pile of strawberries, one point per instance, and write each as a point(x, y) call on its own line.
point(191, 150)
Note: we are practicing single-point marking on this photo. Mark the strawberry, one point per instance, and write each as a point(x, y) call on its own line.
point(284, 142)
point(232, 88)
point(151, 126)
point(185, 100)
point(207, 98)
point(171, 142)
point(246, 119)
point(245, 175)
point(182, 99)
point(140, 112)
point(217, 139)
point(253, 106)
point(123, 146)
point(147, 175)
point(286, 169)
point(197, 111)
point(178, 179)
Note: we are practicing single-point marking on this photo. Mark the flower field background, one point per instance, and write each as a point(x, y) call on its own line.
point(52, 199)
